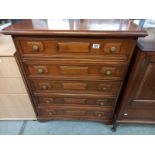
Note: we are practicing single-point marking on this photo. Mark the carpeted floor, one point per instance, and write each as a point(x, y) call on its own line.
point(70, 128)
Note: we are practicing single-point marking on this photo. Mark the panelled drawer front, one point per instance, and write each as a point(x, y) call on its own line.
point(50, 100)
point(74, 113)
point(73, 46)
point(76, 70)
point(110, 87)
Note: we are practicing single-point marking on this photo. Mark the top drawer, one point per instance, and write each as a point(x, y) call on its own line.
point(71, 47)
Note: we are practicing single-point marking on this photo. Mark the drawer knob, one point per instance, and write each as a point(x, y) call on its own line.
point(113, 49)
point(50, 100)
point(108, 73)
point(40, 71)
point(99, 114)
point(125, 114)
point(52, 113)
point(35, 48)
point(104, 89)
point(102, 103)
point(44, 87)
point(47, 101)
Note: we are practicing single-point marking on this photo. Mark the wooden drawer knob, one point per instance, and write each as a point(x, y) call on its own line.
point(113, 49)
point(108, 73)
point(102, 103)
point(35, 48)
point(99, 114)
point(104, 89)
point(40, 71)
point(52, 113)
point(50, 100)
point(47, 101)
point(44, 87)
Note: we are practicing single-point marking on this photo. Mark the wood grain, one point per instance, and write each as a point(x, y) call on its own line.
point(81, 67)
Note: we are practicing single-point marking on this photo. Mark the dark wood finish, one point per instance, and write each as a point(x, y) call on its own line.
point(138, 100)
point(74, 69)
point(76, 113)
point(78, 86)
point(82, 101)
point(74, 47)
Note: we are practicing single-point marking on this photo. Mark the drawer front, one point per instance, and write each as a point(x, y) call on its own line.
point(76, 70)
point(136, 114)
point(73, 47)
point(75, 85)
point(74, 113)
point(51, 100)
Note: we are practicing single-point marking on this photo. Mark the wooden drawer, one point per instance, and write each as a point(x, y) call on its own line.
point(66, 113)
point(76, 69)
point(72, 100)
point(76, 85)
point(137, 114)
point(8, 67)
point(70, 47)
point(12, 85)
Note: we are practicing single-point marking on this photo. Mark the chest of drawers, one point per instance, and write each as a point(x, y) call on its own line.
point(77, 70)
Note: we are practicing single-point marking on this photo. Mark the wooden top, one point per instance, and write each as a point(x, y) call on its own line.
point(7, 47)
point(147, 43)
point(76, 27)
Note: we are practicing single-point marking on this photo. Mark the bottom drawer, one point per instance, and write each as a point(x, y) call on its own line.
point(143, 115)
point(60, 113)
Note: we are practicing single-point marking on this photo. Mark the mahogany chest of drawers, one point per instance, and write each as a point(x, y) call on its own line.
point(74, 69)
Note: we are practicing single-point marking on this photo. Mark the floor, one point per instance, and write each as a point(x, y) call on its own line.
point(70, 128)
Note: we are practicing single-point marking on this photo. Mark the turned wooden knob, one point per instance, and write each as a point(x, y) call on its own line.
point(45, 87)
point(40, 71)
point(113, 49)
point(104, 89)
point(102, 103)
point(108, 73)
point(47, 101)
point(99, 115)
point(52, 113)
point(35, 48)
point(50, 100)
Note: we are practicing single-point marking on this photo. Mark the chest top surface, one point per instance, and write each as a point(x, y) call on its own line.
point(76, 27)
